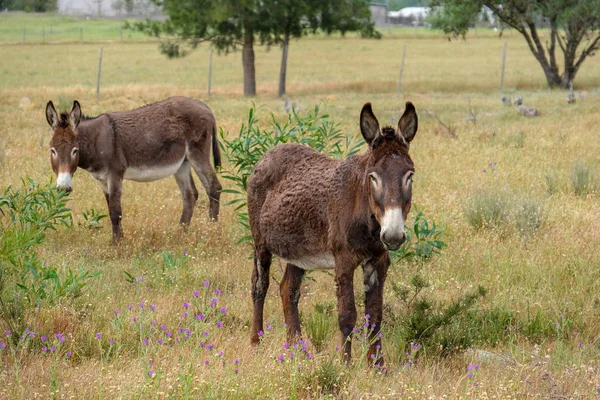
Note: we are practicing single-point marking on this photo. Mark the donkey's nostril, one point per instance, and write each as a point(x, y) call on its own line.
point(393, 242)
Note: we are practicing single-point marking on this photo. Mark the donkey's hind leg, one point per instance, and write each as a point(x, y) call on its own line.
point(260, 286)
point(200, 160)
point(189, 194)
point(290, 296)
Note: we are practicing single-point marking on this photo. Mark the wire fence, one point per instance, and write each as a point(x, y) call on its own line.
point(51, 34)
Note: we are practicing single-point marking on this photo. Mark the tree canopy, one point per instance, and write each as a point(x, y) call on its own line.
point(574, 27)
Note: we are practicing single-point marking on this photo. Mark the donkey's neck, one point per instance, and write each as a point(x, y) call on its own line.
point(88, 131)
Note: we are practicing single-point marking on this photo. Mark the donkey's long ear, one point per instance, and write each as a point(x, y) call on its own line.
point(75, 114)
point(369, 126)
point(408, 124)
point(51, 115)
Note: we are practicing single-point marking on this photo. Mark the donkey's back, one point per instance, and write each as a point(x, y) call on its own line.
point(287, 203)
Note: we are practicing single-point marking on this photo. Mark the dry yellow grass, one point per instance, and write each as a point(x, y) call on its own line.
point(555, 271)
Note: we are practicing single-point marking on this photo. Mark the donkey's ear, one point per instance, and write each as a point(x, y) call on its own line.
point(408, 124)
point(51, 115)
point(369, 126)
point(75, 114)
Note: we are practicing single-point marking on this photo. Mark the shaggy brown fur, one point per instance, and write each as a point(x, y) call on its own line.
point(145, 144)
point(319, 213)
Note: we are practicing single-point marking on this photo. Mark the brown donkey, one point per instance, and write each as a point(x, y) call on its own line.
point(145, 144)
point(319, 213)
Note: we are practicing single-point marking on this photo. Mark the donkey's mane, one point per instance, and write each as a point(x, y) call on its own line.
point(64, 120)
point(388, 133)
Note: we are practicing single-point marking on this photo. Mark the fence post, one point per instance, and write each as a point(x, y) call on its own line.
point(81, 34)
point(503, 64)
point(121, 33)
point(43, 35)
point(209, 69)
point(399, 89)
point(24, 34)
point(99, 70)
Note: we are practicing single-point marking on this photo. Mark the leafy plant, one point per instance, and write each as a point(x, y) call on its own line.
point(423, 240)
point(92, 219)
point(423, 321)
point(319, 328)
point(26, 214)
point(487, 209)
point(315, 130)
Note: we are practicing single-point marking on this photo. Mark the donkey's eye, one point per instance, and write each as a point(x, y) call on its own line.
point(74, 152)
point(409, 179)
point(53, 152)
point(374, 180)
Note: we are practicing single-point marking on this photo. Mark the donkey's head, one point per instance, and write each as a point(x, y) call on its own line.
point(389, 172)
point(64, 146)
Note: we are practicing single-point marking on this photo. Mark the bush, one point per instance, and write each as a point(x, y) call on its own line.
point(423, 240)
point(25, 280)
point(529, 216)
point(320, 326)
point(583, 179)
point(487, 209)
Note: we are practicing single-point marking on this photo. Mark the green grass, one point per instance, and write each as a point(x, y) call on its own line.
point(532, 280)
point(51, 28)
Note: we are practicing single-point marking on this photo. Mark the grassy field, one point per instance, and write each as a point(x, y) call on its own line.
point(535, 334)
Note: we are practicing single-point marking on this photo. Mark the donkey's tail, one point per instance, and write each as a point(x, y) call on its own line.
point(215, 148)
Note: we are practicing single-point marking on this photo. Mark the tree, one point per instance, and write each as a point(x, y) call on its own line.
point(230, 24)
point(574, 27)
point(296, 18)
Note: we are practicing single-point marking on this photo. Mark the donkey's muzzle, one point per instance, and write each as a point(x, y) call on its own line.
point(66, 189)
point(393, 241)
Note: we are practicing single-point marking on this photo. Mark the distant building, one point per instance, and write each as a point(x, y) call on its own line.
point(379, 13)
point(108, 8)
point(409, 16)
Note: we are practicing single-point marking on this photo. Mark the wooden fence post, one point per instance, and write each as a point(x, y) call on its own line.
point(99, 70)
point(503, 64)
point(209, 69)
point(399, 89)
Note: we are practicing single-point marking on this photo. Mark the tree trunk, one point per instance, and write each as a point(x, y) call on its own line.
point(283, 70)
point(248, 64)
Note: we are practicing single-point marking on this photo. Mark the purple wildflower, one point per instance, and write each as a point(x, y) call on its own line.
point(200, 317)
point(217, 292)
point(219, 324)
point(223, 310)
point(286, 346)
point(260, 333)
point(206, 362)
point(44, 349)
point(152, 307)
point(236, 372)
point(236, 361)
point(206, 283)
point(205, 334)
point(186, 305)
point(111, 342)
point(185, 253)
point(291, 355)
point(269, 327)
point(367, 316)
point(98, 336)
point(43, 338)
point(281, 358)
point(168, 334)
point(213, 302)
point(195, 293)
point(163, 327)
point(130, 307)
point(160, 341)
point(209, 347)
point(2, 345)
point(470, 375)
point(153, 323)
point(185, 315)
point(52, 349)
point(69, 353)
point(151, 374)
point(309, 356)
point(142, 304)
point(8, 333)
point(145, 342)
point(116, 313)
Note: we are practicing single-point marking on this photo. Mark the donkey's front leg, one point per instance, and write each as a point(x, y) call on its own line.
point(374, 274)
point(344, 281)
point(115, 189)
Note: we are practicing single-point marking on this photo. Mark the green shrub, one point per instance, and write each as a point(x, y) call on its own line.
point(583, 180)
point(423, 240)
point(487, 209)
point(551, 183)
point(25, 280)
point(319, 329)
point(529, 216)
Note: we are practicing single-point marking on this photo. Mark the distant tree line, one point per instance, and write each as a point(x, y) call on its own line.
point(28, 5)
